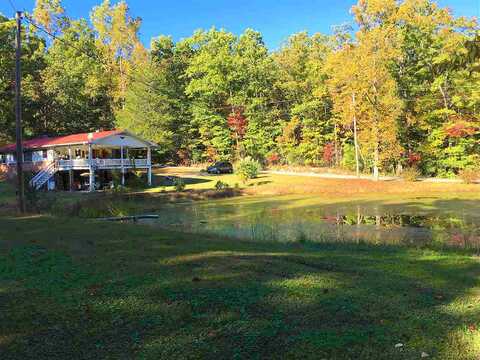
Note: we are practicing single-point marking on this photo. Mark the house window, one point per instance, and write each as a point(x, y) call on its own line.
point(44, 154)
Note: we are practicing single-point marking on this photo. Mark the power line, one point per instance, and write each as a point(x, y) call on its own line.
point(12, 5)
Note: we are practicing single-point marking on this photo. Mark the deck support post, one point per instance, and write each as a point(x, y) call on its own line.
point(149, 164)
point(122, 167)
point(70, 169)
point(91, 169)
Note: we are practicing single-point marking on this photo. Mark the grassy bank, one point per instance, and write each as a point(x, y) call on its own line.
point(71, 289)
point(278, 184)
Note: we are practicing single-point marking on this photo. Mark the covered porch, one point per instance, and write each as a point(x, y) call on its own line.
point(118, 152)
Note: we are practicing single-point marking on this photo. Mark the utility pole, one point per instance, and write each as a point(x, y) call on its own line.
point(18, 115)
point(355, 135)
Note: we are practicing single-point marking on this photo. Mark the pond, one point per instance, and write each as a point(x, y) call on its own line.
point(415, 222)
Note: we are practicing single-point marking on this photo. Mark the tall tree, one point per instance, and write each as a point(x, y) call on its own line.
point(378, 102)
point(213, 83)
point(32, 64)
point(363, 87)
point(254, 97)
point(438, 81)
point(344, 85)
point(77, 84)
point(302, 81)
point(156, 106)
point(117, 34)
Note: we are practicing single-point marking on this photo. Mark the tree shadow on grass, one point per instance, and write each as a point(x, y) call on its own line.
point(146, 294)
point(334, 305)
point(263, 183)
point(164, 180)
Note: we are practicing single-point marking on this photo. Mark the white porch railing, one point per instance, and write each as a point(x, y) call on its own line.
point(102, 163)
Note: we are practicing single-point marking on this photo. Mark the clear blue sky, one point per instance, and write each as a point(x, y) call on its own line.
point(275, 19)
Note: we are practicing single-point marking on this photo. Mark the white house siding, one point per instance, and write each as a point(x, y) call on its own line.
point(37, 156)
point(121, 140)
point(10, 159)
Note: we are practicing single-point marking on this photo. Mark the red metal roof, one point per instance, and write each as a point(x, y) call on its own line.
point(43, 142)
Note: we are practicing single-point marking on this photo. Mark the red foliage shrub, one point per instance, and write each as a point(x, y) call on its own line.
point(413, 158)
point(237, 122)
point(460, 128)
point(328, 153)
point(273, 159)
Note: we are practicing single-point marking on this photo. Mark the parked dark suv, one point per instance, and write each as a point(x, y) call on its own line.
point(221, 167)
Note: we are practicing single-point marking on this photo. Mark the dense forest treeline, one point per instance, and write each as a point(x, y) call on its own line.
point(399, 88)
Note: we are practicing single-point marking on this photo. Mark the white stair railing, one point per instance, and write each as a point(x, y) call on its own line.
point(43, 176)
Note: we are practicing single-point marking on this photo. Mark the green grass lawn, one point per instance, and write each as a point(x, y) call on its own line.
point(75, 288)
point(80, 289)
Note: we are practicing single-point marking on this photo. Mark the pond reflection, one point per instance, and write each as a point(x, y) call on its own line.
point(269, 221)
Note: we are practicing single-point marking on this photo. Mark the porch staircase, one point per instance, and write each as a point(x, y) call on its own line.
point(43, 176)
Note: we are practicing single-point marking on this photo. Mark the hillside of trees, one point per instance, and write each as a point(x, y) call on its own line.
point(398, 88)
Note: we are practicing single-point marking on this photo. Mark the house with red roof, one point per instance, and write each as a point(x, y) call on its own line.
point(85, 161)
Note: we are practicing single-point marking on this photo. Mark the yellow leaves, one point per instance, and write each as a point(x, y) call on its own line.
point(49, 14)
point(320, 92)
point(370, 13)
point(118, 37)
point(115, 28)
point(424, 14)
point(361, 83)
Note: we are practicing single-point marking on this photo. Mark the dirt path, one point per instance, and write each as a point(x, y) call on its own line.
point(347, 176)
point(324, 175)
